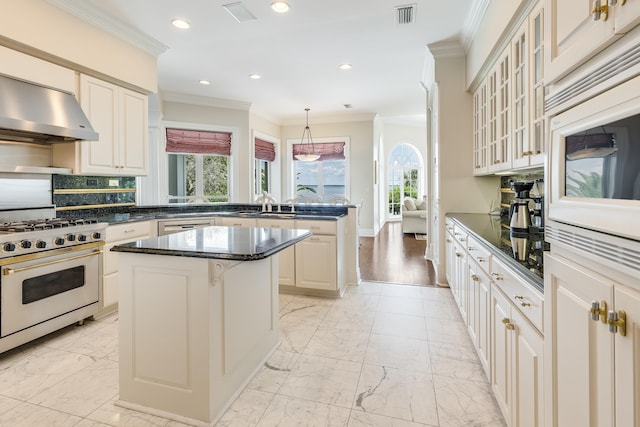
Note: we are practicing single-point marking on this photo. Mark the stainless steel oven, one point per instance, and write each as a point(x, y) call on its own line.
point(50, 272)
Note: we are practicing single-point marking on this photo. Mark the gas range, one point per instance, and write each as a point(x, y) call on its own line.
point(28, 230)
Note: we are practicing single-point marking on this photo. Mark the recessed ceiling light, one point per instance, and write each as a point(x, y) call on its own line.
point(180, 23)
point(345, 66)
point(255, 76)
point(205, 82)
point(280, 6)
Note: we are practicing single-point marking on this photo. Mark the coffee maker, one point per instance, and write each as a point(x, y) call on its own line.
point(520, 219)
point(519, 213)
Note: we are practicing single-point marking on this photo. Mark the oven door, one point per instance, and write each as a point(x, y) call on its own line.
point(36, 288)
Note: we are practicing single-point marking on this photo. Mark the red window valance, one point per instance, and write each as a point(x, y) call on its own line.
point(198, 142)
point(326, 150)
point(264, 150)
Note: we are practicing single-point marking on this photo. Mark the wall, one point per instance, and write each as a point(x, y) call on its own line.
point(458, 189)
point(43, 30)
point(360, 161)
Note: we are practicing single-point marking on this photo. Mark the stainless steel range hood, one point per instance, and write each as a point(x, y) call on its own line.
point(32, 113)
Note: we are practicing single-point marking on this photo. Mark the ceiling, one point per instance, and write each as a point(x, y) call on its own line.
point(297, 53)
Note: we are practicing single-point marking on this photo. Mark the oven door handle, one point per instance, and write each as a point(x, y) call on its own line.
point(8, 271)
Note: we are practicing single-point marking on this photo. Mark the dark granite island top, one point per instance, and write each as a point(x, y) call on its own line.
point(228, 243)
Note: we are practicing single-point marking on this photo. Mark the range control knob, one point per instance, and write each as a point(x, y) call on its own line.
point(41, 244)
point(59, 241)
point(71, 237)
point(82, 237)
point(25, 244)
point(9, 247)
point(97, 235)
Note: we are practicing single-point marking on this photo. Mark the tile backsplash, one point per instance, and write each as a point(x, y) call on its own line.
point(73, 192)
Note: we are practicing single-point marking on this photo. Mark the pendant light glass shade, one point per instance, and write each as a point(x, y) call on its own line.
point(307, 153)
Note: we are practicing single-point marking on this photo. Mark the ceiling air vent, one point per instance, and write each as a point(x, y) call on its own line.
point(406, 14)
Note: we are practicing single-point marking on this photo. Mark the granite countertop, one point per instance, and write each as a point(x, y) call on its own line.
point(492, 233)
point(177, 211)
point(229, 243)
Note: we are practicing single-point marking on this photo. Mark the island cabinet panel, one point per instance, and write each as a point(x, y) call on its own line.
point(316, 263)
point(193, 332)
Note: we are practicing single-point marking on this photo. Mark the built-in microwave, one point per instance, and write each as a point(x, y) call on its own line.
point(593, 174)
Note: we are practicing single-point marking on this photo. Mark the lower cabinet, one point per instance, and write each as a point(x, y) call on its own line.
point(503, 315)
point(286, 258)
point(116, 235)
point(316, 263)
point(516, 363)
point(593, 374)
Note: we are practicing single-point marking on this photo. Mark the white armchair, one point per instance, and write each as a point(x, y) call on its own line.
point(414, 216)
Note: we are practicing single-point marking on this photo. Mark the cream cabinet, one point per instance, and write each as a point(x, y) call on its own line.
point(319, 263)
point(117, 234)
point(578, 29)
point(232, 221)
point(516, 363)
point(480, 129)
point(478, 263)
point(286, 257)
point(593, 374)
point(509, 103)
point(500, 154)
point(504, 317)
point(120, 116)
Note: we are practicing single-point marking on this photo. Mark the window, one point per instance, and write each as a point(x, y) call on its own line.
point(324, 178)
point(404, 176)
point(264, 158)
point(198, 165)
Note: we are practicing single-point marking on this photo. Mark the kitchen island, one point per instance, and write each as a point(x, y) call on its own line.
point(198, 317)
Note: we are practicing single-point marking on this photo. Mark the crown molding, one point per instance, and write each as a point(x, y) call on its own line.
point(205, 101)
point(447, 48)
point(472, 22)
point(107, 23)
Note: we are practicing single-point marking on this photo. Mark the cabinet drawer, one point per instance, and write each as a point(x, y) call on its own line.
point(317, 227)
point(286, 224)
point(522, 295)
point(129, 231)
point(448, 223)
point(459, 234)
point(238, 222)
point(481, 255)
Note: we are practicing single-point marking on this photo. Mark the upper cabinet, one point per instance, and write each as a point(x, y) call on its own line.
point(509, 104)
point(578, 29)
point(120, 117)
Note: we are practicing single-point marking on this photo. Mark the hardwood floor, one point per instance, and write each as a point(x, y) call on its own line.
point(395, 257)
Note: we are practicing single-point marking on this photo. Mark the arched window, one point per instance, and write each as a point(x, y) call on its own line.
point(404, 176)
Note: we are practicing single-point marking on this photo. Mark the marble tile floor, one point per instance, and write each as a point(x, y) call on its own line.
point(384, 355)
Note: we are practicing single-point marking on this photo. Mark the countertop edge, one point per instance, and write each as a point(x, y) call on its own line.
point(129, 248)
point(537, 284)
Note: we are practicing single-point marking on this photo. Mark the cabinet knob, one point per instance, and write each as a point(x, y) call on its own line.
point(475, 278)
point(482, 259)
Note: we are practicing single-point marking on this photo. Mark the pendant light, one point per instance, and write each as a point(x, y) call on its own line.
point(307, 153)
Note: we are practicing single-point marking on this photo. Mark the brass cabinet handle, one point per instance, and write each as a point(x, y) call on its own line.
point(482, 259)
point(507, 324)
point(600, 11)
point(617, 322)
point(599, 311)
point(496, 276)
point(475, 278)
